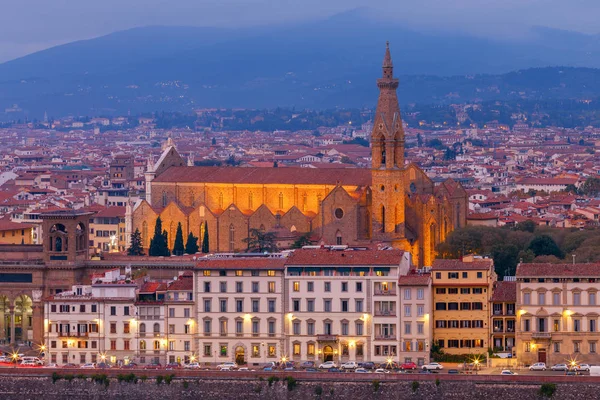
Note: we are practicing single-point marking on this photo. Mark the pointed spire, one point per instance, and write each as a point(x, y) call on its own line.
point(387, 59)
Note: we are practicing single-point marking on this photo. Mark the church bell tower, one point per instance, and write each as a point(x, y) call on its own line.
point(387, 147)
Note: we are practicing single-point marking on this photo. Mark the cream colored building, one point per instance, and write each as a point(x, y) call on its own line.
point(557, 313)
point(240, 309)
point(461, 297)
point(180, 319)
point(342, 304)
point(415, 316)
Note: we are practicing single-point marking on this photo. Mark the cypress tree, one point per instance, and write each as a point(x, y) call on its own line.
point(135, 248)
point(205, 247)
point(178, 245)
point(165, 235)
point(158, 244)
point(191, 246)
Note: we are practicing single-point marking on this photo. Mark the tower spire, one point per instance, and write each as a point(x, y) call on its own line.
point(388, 66)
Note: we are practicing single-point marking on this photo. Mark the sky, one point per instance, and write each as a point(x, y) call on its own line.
point(27, 26)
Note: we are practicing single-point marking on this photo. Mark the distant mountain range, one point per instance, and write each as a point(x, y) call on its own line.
point(322, 64)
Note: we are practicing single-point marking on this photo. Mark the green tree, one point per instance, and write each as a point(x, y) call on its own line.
point(591, 186)
point(436, 144)
point(205, 242)
point(505, 258)
point(178, 248)
point(526, 226)
point(544, 245)
point(260, 241)
point(571, 189)
point(303, 240)
point(135, 247)
point(158, 244)
point(191, 246)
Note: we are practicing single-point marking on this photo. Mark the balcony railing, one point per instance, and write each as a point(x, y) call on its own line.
point(541, 335)
point(326, 338)
point(385, 313)
point(72, 334)
point(383, 292)
point(385, 337)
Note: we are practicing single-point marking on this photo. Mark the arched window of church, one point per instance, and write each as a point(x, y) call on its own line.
point(280, 201)
point(144, 234)
point(250, 205)
point(396, 218)
point(172, 233)
point(304, 201)
point(201, 211)
point(221, 200)
point(164, 198)
point(262, 227)
point(382, 219)
point(201, 231)
point(231, 238)
point(382, 153)
point(457, 216)
point(293, 228)
point(338, 238)
point(432, 239)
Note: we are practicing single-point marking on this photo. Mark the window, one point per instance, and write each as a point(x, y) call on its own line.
point(171, 313)
point(310, 328)
point(113, 344)
point(296, 305)
point(407, 326)
point(526, 325)
point(239, 305)
point(223, 287)
point(310, 305)
point(344, 328)
point(207, 287)
point(296, 349)
point(420, 328)
point(271, 272)
point(359, 287)
point(527, 298)
point(479, 275)
point(113, 327)
point(271, 327)
point(556, 325)
point(328, 286)
point(406, 294)
point(359, 306)
point(344, 305)
point(254, 287)
point(541, 298)
point(255, 305)
point(577, 347)
point(81, 308)
point(440, 306)
point(420, 294)
point(296, 286)
point(207, 305)
point(113, 310)
point(592, 347)
point(453, 306)
point(223, 305)
point(465, 275)
point(310, 286)
point(556, 347)
point(125, 327)
point(223, 327)
point(477, 290)
point(592, 298)
point(223, 350)
point(359, 328)
point(577, 325)
point(271, 304)
point(407, 310)
point(465, 291)
point(239, 327)
point(125, 310)
point(440, 291)
point(452, 275)
point(186, 313)
point(255, 327)
point(271, 287)
point(310, 349)
point(94, 308)
point(239, 272)
point(438, 275)
point(186, 345)
point(239, 287)
point(360, 350)
point(207, 350)
point(592, 323)
point(420, 310)
point(296, 327)
point(556, 299)
point(344, 286)
point(576, 298)
point(327, 305)
point(207, 327)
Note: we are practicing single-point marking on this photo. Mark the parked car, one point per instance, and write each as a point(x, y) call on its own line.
point(103, 365)
point(311, 370)
point(229, 365)
point(583, 367)
point(36, 360)
point(349, 365)
point(193, 365)
point(381, 371)
point(242, 369)
point(51, 365)
point(130, 365)
point(408, 365)
point(153, 366)
point(433, 365)
point(328, 365)
point(307, 364)
point(539, 366)
point(423, 371)
point(453, 371)
point(88, 366)
point(361, 371)
point(269, 369)
point(507, 372)
point(559, 367)
point(70, 365)
point(29, 363)
point(367, 365)
point(173, 365)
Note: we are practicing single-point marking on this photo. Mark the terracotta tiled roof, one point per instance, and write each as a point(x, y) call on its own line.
point(306, 176)
point(505, 291)
point(414, 279)
point(451, 265)
point(241, 263)
point(346, 257)
point(152, 287)
point(558, 270)
point(184, 282)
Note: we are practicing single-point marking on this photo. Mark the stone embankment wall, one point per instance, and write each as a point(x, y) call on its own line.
point(25, 388)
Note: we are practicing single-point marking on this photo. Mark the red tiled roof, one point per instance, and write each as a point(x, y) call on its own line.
point(152, 287)
point(451, 265)
point(414, 279)
point(183, 282)
point(505, 291)
point(301, 176)
point(558, 270)
point(344, 257)
point(241, 263)
point(7, 225)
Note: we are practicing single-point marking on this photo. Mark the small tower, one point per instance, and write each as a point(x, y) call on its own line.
point(387, 153)
point(149, 176)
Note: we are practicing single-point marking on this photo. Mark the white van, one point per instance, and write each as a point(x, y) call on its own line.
point(30, 360)
point(595, 370)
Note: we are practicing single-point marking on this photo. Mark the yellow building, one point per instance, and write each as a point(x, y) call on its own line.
point(15, 233)
point(461, 296)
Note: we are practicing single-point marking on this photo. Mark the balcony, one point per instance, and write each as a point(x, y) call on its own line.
point(541, 335)
point(327, 338)
point(385, 313)
point(385, 337)
point(73, 334)
point(383, 292)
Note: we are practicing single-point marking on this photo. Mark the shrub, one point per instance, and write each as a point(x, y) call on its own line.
point(272, 379)
point(437, 381)
point(547, 390)
point(185, 384)
point(82, 377)
point(55, 377)
point(68, 377)
point(159, 379)
point(376, 386)
point(319, 390)
point(169, 378)
point(143, 378)
point(415, 386)
point(257, 389)
point(291, 383)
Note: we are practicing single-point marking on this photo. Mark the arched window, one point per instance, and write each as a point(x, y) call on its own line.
point(164, 198)
point(156, 328)
point(304, 201)
point(250, 202)
point(280, 201)
point(221, 200)
point(293, 228)
point(262, 227)
point(457, 216)
point(142, 345)
point(142, 328)
point(145, 234)
point(338, 238)
point(382, 153)
point(382, 219)
point(231, 238)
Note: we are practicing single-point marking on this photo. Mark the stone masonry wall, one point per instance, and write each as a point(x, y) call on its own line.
point(24, 388)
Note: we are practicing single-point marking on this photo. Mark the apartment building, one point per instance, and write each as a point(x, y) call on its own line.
point(341, 304)
point(415, 316)
point(461, 297)
point(92, 323)
point(180, 318)
point(240, 308)
point(503, 319)
point(557, 315)
point(107, 230)
point(152, 334)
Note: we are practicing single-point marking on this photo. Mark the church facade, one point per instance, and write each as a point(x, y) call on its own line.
point(392, 203)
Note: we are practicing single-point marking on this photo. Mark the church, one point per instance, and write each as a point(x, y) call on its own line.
point(393, 203)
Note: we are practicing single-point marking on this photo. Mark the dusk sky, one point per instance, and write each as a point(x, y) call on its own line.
point(30, 25)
